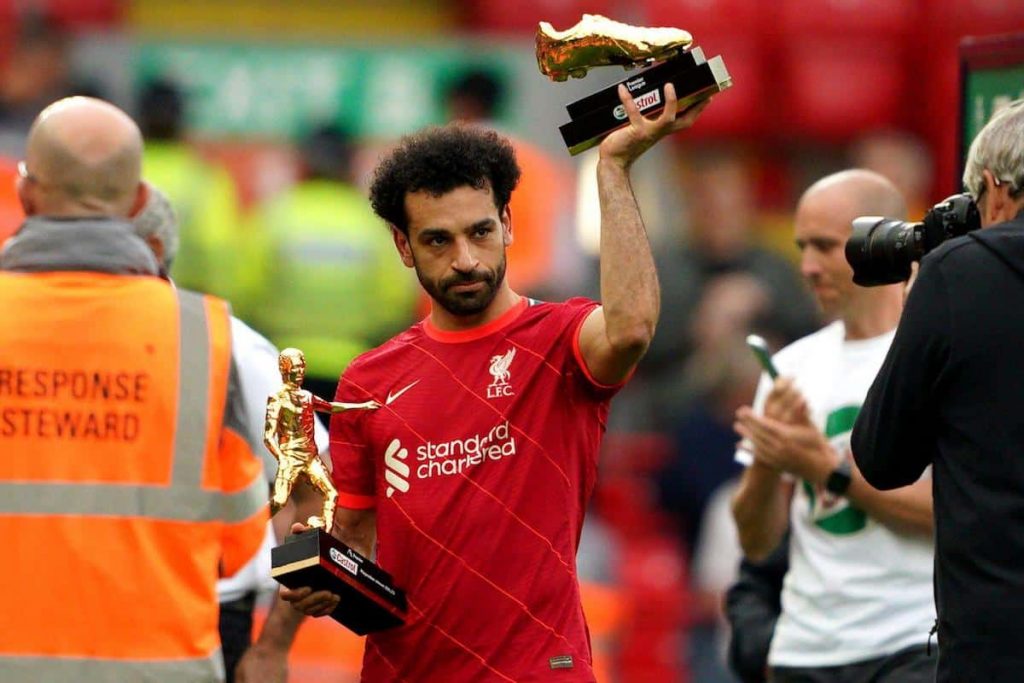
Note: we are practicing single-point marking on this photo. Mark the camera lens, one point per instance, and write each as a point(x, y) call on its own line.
point(880, 250)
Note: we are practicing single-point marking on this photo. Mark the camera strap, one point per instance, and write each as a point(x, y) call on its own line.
point(1002, 257)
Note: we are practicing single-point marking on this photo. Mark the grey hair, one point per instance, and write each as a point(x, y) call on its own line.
point(999, 147)
point(158, 219)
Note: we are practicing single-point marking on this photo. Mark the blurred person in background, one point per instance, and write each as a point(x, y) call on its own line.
point(720, 380)
point(532, 380)
point(129, 477)
point(203, 195)
point(857, 603)
point(949, 396)
point(719, 286)
point(258, 378)
point(325, 279)
point(693, 483)
point(549, 263)
point(35, 73)
point(902, 158)
point(720, 239)
point(715, 561)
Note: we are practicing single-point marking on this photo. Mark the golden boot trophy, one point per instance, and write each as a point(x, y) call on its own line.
point(598, 41)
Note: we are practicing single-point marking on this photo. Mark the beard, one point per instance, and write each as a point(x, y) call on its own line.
point(465, 303)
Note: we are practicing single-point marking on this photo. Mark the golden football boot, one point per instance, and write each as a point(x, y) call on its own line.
point(599, 41)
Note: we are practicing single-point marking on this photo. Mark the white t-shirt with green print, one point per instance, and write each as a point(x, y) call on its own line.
point(855, 590)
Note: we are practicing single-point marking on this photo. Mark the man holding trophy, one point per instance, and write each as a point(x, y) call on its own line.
point(470, 483)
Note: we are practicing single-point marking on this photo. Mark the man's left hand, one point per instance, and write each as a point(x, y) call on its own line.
point(624, 146)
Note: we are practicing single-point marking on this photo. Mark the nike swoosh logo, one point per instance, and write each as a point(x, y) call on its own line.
point(392, 397)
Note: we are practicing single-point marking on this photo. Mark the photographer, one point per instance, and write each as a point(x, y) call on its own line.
point(951, 394)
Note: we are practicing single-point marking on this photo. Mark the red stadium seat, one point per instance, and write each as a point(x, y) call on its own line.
point(657, 602)
point(799, 19)
point(700, 17)
point(833, 88)
point(11, 214)
point(735, 30)
point(498, 16)
point(738, 110)
point(973, 17)
point(65, 13)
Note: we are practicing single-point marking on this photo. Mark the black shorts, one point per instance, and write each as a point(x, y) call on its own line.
point(912, 665)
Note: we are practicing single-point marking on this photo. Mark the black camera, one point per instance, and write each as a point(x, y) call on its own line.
point(882, 249)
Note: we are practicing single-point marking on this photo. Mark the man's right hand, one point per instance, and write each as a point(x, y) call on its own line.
point(626, 144)
point(306, 600)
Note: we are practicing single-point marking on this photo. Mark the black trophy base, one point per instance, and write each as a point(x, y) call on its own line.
point(369, 600)
point(594, 117)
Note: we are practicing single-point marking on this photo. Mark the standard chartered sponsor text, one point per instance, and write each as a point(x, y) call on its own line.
point(452, 457)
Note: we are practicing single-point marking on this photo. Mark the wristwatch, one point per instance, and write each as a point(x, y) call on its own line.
point(839, 480)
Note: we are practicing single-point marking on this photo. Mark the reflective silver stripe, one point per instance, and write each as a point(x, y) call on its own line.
point(182, 500)
point(193, 390)
point(242, 505)
point(38, 669)
point(177, 503)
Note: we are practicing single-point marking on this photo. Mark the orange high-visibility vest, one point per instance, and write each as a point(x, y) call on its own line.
point(126, 485)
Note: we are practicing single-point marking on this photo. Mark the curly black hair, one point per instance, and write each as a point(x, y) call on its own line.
point(438, 160)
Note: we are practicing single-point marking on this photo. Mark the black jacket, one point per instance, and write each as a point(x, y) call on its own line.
point(752, 606)
point(951, 394)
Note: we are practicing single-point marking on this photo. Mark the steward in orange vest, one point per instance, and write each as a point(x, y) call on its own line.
point(127, 485)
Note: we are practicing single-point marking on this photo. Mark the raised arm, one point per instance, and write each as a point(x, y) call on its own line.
point(615, 336)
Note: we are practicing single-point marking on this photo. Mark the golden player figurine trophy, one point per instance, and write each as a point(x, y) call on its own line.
point(597, 41)
point(370, 601)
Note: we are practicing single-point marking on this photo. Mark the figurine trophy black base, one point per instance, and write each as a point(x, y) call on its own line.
point(369, 599)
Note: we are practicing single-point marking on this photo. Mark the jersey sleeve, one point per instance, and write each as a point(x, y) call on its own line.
point(353, 470)
point(578, 310)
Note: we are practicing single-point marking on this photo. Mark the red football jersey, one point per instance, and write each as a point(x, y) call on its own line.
point(480, 467)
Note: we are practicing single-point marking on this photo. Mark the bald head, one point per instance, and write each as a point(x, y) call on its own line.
point(84, 158)
point(822, 226)
point(857, 192)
